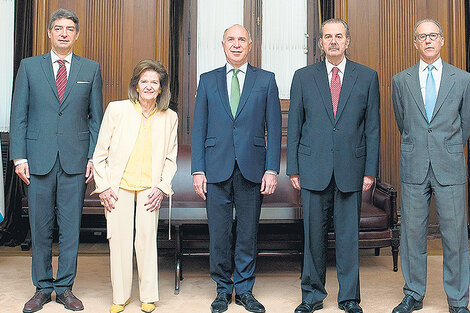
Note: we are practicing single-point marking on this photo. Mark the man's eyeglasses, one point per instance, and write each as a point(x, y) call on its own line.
point(422, 37)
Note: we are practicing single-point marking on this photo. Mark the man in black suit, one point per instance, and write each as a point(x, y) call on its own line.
point(332, 156)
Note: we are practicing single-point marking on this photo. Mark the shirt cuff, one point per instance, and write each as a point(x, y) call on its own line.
point(19, 161)
point(271, 172)
point(199, 173)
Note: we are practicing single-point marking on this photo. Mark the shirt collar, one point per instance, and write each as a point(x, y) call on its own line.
point(341, 66)
point(229, 67)
point(55, 57)
point(138, 108)
point(423, 66)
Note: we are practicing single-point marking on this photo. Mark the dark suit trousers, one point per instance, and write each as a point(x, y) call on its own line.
point(56, 195)
point(451, 211)
point(245, 196)
point(319, 207)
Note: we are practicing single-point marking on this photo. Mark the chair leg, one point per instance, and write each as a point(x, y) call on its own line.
point(178, 274)
point(377, 251)
point(395, 245)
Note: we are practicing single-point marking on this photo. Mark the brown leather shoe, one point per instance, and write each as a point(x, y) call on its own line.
point(36, 302)
point(69, 301)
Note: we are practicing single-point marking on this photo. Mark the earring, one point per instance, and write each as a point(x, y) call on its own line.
point(137, 89)
point(159, 91)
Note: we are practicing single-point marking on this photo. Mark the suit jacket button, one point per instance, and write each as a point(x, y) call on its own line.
point(429, 130)
point(60, 113)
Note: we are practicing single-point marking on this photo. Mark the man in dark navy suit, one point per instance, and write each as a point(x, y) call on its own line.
point(332, 156)
point(233, 165)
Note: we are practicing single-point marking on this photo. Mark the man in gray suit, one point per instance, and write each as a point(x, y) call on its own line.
point(55, 119)
point(432, 108)
point(333, 142)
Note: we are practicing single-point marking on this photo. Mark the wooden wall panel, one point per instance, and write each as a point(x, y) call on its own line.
point(382, 38)
point(103, 42)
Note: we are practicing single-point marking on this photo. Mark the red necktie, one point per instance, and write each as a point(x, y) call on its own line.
point(335, 89)
point(61, 79)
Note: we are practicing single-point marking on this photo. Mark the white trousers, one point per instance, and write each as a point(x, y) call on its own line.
point(120, 226)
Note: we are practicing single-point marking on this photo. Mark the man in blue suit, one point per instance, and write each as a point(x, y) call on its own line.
point(55, 118)
point(233, 165)
point(332, 156)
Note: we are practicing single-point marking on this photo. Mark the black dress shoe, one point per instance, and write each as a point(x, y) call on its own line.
point(221, 302)
point(249, 302)
point(459, 309)
point(408, 305)
point(350, 306)
point(305, 307)
point(36, 302)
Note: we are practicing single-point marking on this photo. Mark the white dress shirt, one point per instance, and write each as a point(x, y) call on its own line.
point(341, 66)
point(423, 75)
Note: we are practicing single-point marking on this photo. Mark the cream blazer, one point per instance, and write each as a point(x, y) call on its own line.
point(116, 140)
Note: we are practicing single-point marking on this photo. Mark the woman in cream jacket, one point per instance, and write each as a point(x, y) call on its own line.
point(134, 164)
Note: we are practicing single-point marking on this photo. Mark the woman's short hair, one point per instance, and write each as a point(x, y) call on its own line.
point(163, 99)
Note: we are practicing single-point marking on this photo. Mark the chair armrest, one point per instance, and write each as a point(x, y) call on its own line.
point(384, 198)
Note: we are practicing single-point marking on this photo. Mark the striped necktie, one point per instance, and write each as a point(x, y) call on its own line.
point(61, 79)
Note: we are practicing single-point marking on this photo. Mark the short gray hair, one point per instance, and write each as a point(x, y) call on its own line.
point(225, 31)
point(63, 13)
point(430, 20)
point(335, 21)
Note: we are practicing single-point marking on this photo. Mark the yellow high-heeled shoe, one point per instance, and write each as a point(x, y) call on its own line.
point(116, 308)
point(147, 307)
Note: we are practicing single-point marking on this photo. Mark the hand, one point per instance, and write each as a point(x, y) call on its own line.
point(89, 172)
point(368, 181)
point(200, 185)
point(295, 181)
point(108, 197)
point(268, 184)
point(155, 199)
point(22, 170)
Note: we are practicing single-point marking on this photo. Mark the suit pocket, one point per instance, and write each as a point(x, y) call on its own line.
point(455, 148)
point(210, 142)
point(406, 147)
point(259, 141)
point(83, 135)
point(360, 151)
point(32, 134)
point(304, 150)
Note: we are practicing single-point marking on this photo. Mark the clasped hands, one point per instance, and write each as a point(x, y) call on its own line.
point(108, 199)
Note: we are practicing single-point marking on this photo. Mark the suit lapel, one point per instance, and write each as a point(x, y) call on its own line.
point(250, 78)
point(349, 79)
point(222, 88)
point(447, 82)
point(46, 64)
point(412, 81)
point(75, 67)
point(320, 76)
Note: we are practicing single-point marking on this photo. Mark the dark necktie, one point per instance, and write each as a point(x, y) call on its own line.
point(335, 89)
point(61, 79)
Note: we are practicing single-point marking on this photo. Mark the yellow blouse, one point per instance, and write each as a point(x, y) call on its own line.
point(138, 173)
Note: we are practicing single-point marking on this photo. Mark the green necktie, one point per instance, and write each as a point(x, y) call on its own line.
point(235, 92)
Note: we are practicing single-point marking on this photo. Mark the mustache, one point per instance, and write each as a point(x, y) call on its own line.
point(333, 47)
